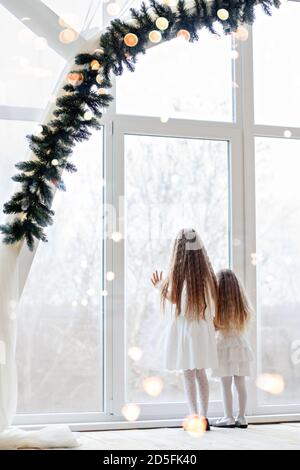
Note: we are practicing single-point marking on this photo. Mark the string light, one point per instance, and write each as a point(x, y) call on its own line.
point(110, 276)
point(164, 119)
point(102, 91)
point(155, 36)
point(95, 65)
point(162, 23)
point(234, 54)
point(87, 116)
point(99, 79)
point(54, 162)
point(131, 411)
point(287, 133)
point(241, 34)
point(99, 51)
point(116, 237)
point(68, 35)
point(131, 39)
point(75, 78)
point(194, 425)
point(184, 34)
point(135, 353)
point(113, 9)
point(270, 383)
point(223, 14)
point(153, 386)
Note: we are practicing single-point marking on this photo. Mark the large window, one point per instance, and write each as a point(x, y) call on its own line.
point(185, 185)
point(204, 135)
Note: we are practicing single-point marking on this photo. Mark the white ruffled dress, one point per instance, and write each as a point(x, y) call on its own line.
point(234, 353)
point(191, 344)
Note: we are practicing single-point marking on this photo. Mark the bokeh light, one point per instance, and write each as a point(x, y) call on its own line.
point(194, 425)
point(272, 383)
point(131, 411)
point(153, 386)
point(135, 353)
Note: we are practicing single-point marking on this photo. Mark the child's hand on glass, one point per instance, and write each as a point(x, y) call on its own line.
point(156, 278)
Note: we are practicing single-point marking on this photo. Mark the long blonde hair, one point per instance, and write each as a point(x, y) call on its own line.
point(190, 265)
point(234, 308)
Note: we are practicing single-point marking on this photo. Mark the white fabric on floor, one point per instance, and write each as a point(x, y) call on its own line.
point(54, 436)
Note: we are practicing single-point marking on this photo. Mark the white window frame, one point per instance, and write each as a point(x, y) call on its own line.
point(241, 133)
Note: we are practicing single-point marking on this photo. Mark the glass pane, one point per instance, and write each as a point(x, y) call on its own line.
point(170, 183)
point(14, 146)
point(28, 65)
point(277, 66)
point(177, 79)
point(60, 336)
point(278, 268)
point(80, 15)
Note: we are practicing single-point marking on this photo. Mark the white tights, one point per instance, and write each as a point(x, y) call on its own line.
point(240, 385)
point(191, 378)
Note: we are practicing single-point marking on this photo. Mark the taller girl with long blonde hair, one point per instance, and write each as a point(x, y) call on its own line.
point(191, 287)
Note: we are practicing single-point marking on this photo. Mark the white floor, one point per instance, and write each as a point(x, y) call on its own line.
point(269, 436)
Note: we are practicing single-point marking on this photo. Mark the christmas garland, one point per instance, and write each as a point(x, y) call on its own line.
point(80, 108)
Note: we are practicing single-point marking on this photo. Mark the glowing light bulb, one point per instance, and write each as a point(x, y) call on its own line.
point(223, 14)
point(162, 23)
point(270, 383)
point(287, 134)
point(110, 276)
point(130, 39)
point(241, 34)
point(75, 78)
point(131, 411)
point(113, 9)
point(194, 425)
point(87, 116)
point(95, 65)
point(135, 353)
point(68, 35)
point(183, 34)
point(116, 237)
point(54, 162)
point(153, 386)
point(102, 91)
point(155, 36)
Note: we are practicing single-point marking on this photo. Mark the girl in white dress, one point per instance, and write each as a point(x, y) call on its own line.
point(234, 352)
point(191, 287)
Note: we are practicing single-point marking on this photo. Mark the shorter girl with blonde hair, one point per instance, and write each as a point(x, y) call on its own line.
point(234, 352)
point(191, 287)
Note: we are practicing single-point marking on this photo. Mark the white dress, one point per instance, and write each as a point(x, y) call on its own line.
point(234, 353)
point(191, 344)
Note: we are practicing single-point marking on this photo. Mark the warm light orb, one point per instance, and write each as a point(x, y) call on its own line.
point(271, 383)
point(87, 116)
point(223, 14)
point(241, 33)
point(131, 411)
point(75, 78)
point(287, 133)
point(99, 79)
point(54, 162)
point(162, 23)
point(110, 276)
point(234, 54)
point(184, 34)
point(102, 91)
point(194, 425)
point(95, 65)
point(153, 386)
point(113, 9)
point(135, 353)
point(155, 36)
point(116, 237)
point(68, 35)
point(131, 39)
